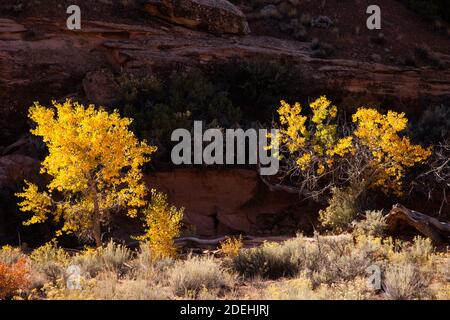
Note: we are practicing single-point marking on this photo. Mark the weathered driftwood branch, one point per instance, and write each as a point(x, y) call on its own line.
point(248, 240)
point(438, 232)
point(194, 242)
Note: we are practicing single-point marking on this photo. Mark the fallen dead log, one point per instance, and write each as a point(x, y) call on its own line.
point(437, 231)
point(247, 240)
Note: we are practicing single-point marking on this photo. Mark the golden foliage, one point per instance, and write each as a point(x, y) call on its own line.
point(163, 223)
point(231, 246)
point(392, 153)
point(95, 164)
point(314, 142)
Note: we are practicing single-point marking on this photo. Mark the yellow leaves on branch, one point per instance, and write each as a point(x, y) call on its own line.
point(94, 161)
point(35, 201)
point(313, 141)
point(392, 153)
point(163, 223)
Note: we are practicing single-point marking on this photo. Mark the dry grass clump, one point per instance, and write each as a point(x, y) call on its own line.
point(112, 257)
point(324, 260)
point(191, 276)
point(108, 285)
point(405, 282)
point(50, 261)
point(301, 288)
point(269, 261)
point(10, 255)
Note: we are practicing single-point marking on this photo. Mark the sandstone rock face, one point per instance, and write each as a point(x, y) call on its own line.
point(35, 69)
point(221, 201)
point(216, 16)
point(14, 168)
point(101, 89)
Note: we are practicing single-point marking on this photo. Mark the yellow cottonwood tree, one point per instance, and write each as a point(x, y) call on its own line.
point(163, 223)
point(95, 164)
point(375, 152)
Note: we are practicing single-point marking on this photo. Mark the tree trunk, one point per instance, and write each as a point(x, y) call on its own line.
point(96, 227)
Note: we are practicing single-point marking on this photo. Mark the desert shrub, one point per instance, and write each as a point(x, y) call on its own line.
point(159, 107)
point(136, 89)
point(420, 250)
point(323, 260)
point(271, 260)
point(13, 277)
point(112, 257)
point(405, 282)
point(331, 260)
point(341, 211)
point(50, 260)
point(295, 289)
point(163, 223)
point(355, 289)
point(144, 257)
point(433, 124)
point(88, 261)
point(108, 286)
point(140, 289)
point(301, 288)
point(196, 273)
point(260, 83)
point(231, 246)
point(10, 255)
point(374, 224)
point(319, 153)
point(430, 9)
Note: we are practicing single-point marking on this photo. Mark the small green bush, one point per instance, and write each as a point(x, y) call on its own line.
point(341, 211)
point(373, 225)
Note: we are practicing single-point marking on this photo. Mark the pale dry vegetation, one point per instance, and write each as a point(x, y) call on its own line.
point(322, 267)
